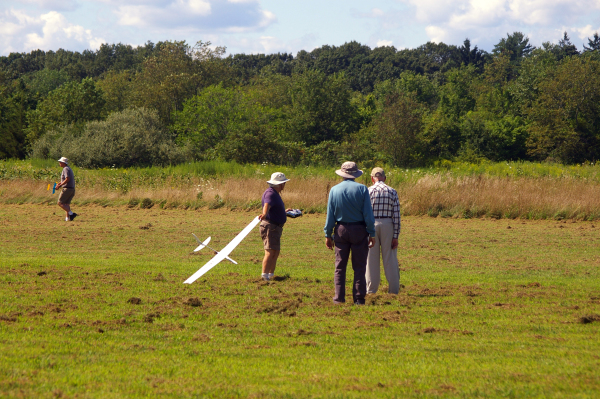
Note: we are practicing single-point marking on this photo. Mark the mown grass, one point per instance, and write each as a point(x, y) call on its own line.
point(489, 308)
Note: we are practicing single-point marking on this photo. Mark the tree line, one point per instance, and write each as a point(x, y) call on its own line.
point(173, 102)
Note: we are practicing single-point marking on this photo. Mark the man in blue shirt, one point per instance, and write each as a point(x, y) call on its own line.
point(350, 220)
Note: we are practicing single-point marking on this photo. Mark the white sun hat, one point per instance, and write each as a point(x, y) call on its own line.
point(277, 178)
point(64, 160)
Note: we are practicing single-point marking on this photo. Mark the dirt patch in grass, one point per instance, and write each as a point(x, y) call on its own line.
point(201, 338)
point(150, 317)
point(194, 302)
point(380, 299)
point(287, 308)
point(434, 292)
point(589, 319)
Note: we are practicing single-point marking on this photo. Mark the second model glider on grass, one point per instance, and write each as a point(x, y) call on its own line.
point(223, 254)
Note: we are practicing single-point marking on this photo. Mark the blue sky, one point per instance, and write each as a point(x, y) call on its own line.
point(270, 26)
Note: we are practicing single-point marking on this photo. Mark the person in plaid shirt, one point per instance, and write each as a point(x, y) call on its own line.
point(386, 209)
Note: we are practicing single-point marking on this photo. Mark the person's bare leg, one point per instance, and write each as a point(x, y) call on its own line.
point(270, 260)
point(65, 207)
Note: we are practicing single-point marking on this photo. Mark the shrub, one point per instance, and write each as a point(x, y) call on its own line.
point(134, 137)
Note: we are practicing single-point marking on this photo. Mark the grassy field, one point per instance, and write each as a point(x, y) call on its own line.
point(96, 308)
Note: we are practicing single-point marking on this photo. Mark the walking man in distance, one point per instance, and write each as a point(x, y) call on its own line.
point(67, 182)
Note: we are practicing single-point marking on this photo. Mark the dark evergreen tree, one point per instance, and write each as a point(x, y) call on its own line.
point(593, 45)
point(516, 46)
point(472, 56)
point(567, 48)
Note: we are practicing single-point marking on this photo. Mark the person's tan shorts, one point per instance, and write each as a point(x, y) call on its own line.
point(271, 235)
point(66, 195)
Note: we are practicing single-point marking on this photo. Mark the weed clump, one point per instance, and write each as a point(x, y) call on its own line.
point(134, 301)
point(133, 202)
point(146, 203)
point(217, 203)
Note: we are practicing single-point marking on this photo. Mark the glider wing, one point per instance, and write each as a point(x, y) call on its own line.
point(205, 244)
point(224, 252)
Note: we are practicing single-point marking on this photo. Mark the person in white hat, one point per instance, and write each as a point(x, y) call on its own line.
point(67, 182)
point(273, 217)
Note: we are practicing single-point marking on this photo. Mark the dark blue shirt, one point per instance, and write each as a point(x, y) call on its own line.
point(276, 212)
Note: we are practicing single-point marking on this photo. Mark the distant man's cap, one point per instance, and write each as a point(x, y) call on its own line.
point(378, 172)
point(64, 160)
point(349, 170)
point(277, 178)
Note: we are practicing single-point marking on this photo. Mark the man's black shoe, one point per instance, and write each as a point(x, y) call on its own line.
point(359, 303)
point(73, 216)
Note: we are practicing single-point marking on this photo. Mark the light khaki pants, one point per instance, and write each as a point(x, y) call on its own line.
point(384, 233)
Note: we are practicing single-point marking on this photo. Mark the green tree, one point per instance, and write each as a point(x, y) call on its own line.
point(175, 73)
point(492, 136)
point(593, 45)
point(533, 70)
point(421, 86)
point(210, 117)
point(72, 103)
point(441, 130)
point(42, 82)
point(319, 108)
point(565, 117)
point(117, 89)
point(12, 121)
point(397, 129)
point(516, 46)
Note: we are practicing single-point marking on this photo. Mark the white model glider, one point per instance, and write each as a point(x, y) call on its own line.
point(205, 244)
point(224, 252)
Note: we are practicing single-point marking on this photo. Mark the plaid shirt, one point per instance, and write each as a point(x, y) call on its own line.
point(384, 200)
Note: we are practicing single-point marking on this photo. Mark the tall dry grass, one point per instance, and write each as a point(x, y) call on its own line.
point(435, 195)
point(474, 196)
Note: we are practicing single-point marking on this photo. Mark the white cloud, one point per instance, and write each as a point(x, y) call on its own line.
point(22, 32)
point(199, 7)
point(384, 43)
point(195, 15)
point(486, 21)
point(54, 5)
point(586, 32)
point(272, 44)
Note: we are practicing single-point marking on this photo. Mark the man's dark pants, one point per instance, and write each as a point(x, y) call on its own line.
point(355, 239)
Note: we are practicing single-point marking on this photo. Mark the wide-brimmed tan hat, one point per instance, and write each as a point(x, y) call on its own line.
point(378, 172)
point(349, 170)
point(64, 160)
point(277, 178)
